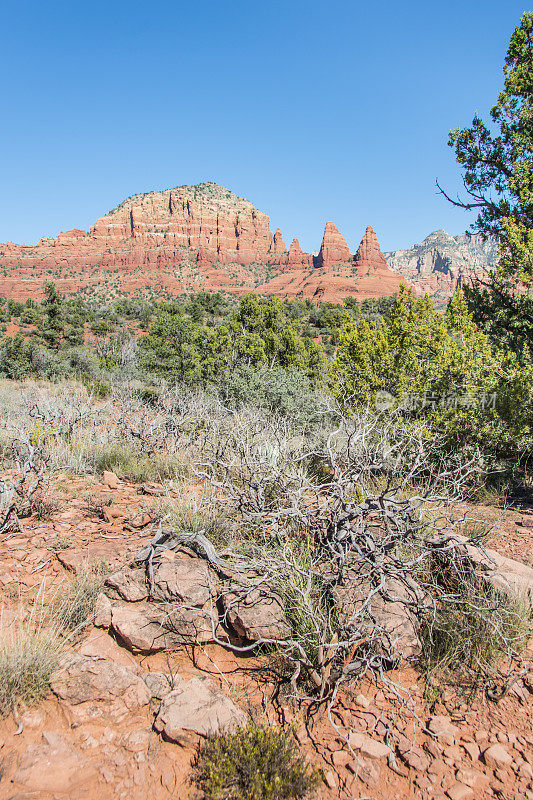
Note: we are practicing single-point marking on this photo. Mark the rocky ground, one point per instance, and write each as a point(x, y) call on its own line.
point(125, 721)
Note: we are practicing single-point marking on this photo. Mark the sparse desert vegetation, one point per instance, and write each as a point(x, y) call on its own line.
point(326, 549)
point(261, 548)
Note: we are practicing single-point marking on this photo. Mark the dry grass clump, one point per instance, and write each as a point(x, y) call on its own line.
point(30, 650)
point(128, 463)
point(468, 634)
point(96, 503)
point(201, 515)
point(29, 654)
point(74, 604)
point(44, 507)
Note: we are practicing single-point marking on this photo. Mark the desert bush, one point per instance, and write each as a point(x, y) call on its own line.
point(466, 638)
point(283, 391)
point(44, 507)
point(256, 762)
point(97, 387)
point(96, 503)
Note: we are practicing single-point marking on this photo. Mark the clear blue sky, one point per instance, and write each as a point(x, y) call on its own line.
point(312, 110)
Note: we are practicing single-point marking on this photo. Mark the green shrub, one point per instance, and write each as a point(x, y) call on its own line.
point(441, 368)
point(255, 763)
point(150, 395)
point(96, 386)
point(284, 391)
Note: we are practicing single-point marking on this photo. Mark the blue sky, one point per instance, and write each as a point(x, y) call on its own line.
point(312, 110)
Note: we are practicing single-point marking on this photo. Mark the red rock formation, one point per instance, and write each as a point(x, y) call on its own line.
point(277, 252)
point(334, 249)
point(369, 257)
point(186, 239)
point(297, 259)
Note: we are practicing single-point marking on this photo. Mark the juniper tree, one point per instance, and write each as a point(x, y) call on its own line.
point(497, 161)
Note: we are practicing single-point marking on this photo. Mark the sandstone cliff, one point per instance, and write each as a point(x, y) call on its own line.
point(206, 237)
point(334, 249)
point(369, 257)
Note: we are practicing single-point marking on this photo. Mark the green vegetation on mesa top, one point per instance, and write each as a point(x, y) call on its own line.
point(211, 194)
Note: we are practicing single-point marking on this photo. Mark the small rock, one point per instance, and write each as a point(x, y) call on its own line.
point(137, 741)
point(110, 479)
point(422, 782)
point(159, 684)
point(34, 718)
point(497, 757)
point(367, 746)
point(459, 791)
point(414, 757)
point(370, 772)
point(453, 753)
point(153, 489)
point(111, 513)
point(140, 628)
point(140, 521)
point(53, 767)
point(362, 701)
point(502, 775)
point(149, 629)
point(256, 614)
point(330, 779)
point(82, 679)
point(129, 583)
point(188, 580)
point(525, 771)
point(341, 758)
point(102, 611)
point(198, 707)
point(472, 749)
point(431, 747)
point(99, 644)
point(470, 777)
point(437, 768)
point(443, 729)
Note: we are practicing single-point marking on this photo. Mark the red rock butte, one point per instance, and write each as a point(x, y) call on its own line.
point(369, 256)
point(190, 238)
point(334, 249)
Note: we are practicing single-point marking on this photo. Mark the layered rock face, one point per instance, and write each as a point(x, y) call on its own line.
point(277, 252)
point(441, 263)
point(206, 237)
point(333, 249)
point(203, 223)
point(297, 259)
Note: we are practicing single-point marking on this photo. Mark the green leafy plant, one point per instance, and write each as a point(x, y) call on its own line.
point(257, 762)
